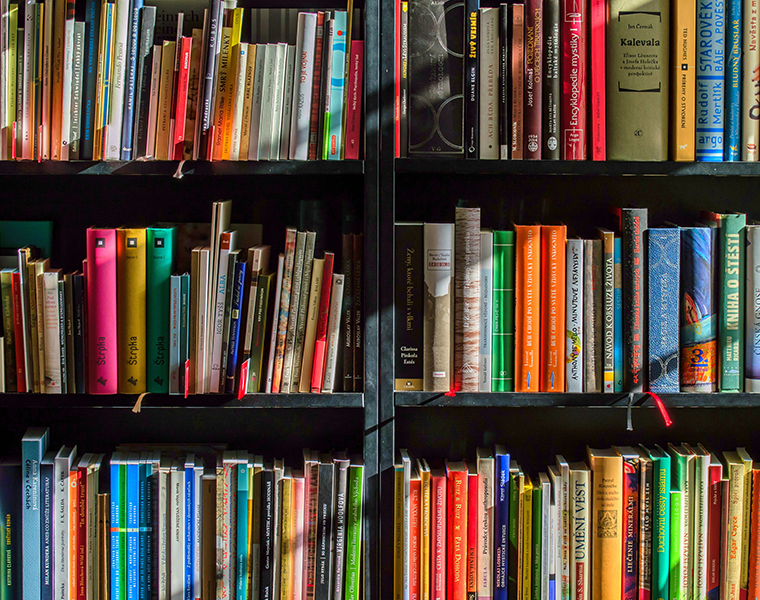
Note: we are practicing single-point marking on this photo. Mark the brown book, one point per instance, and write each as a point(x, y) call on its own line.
point(163, 124)
point(208, 536)
point(103, 545)
point(517, 77)
point(467, 300)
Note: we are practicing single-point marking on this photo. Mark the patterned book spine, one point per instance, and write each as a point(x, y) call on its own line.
point(733, 141)
point(282, 310)
point(646, 489)
point(486, 310)
point(711, 75)
point(634, 224)
point(467, 315)
point(471, 83)
point(618, 314)
point(750, 74)
point(551, 82)
point(630, 527)
point(574, 317)
point(503, 348)
point(527, 307)
point(573, 77)
point(752, 311)
point(295, 302)
point(699, 321)
point(553, 271)
point(592, 316)
point(517, 77)
point(664, 269)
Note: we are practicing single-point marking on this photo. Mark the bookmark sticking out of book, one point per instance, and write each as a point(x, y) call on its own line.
point(451, 393)
point(187, 378)
point(662, 409)
point(243, 386)
point(138, 405)
point(178, 174)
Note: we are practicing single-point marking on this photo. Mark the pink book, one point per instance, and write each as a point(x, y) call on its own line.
point(320, 346)
point(438, 534)
point(101, 311)
point(86, 345)
point(354, 108)
point(298, 535)
point(183, 81)
point(573, 77)
point(598, 18)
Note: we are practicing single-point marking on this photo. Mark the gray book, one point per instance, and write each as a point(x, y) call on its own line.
point(287, 102)
point(278, 91)
point(267, 103)
point(438, 328)
point(293, 312)
point(76, 91)
point(339, 538)
point(258, 90)
point(592, 315)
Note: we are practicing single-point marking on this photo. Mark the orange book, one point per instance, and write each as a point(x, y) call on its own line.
point(73, 531)
point(553, 268)
point(754, 550)
point(456, 587)
point(527, 306)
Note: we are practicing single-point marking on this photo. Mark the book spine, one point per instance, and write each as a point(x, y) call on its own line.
point(574, 317)
point(700, 510)
point(318, 366)
point(160, 253)
point(355, 501)
point(527, 307)
point(131, 286)
point(473, 525)
point(733, 530)
point(339, 534)
point(597, 97)
point(664, 245)
point(333, 332)
point(573, 77)
point(661, 528)
point(115, 511)
point(733, 108)
point(317, 86)
point(608, 311)
point(234, 343)
point(52, 342)
point(731, 305)
point(752, 311)
point(8, 331)
point(618, 314)
point(347, 327)
point(132, 527)
point(552, 322)
point(173, 340)
point(683, 65)
point(241, 557)
point(142, 83)
point(46, 539)
point(301, 113)
point(634, 224)
point(484, 524)
point(534, 48)
point(503, 366)
point(517, 78)
point(338, 82)
point(322, 585)
point(754, 556)
point(457, 527)
point(630, 528)
point(711, 32)
point(176, 150)
point(130, 87)
point(714, 508)
point(678, 510)
point(61, 526)
point(481, 86)
point(512, 555)
point(467, 300)
point(550, 149)
point(32, 451)
point(486, 310)
point(580, 534)
point(358, 303)
point(505, 85)
point(501, 527)
point(750, 98)
point(120, 56)
point(354, 108)
point(646, 491)
point(18, 334)
point(101, 311)
point(473, 83)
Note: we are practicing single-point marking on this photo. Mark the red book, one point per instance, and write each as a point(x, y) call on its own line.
point(316, 89)
point(533, 77)
point(754, 550)
point(86, 345)
point(354, 108)
point(518, 76)
point(397, 78)
point(472, 535)
point(714, 518)
point(18, 333)
point(438, 538)
point(597, 98)
point(456, 562)
point(320, 349)
point(573, 77)
point(183, 80)
point(415, 493)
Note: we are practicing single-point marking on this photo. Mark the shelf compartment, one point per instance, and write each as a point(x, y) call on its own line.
point(549, 400)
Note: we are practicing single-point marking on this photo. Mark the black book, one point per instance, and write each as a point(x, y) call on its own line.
point(142, 85)
point(358, 353)
point(46, 530)
point(266, 568)
point(633, 222)
point(409, 304)
point(471, 98)
point(347, 328)
point(339, 524)
point(68, 287)
point(324, 567)
point(505, 84)
point(436, 84)
point(551, 82)
point(404, 82)
point(62, 334)
point(79, 333)
point(89, 77)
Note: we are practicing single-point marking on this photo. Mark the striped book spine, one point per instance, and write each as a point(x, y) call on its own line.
point(467, 300)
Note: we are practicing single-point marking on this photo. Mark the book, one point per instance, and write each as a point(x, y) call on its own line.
point(101, 311)
point(550, 96)
point(630, 525)
point(552, 322)
point(581, 510)
point(467, 299)
point(284, 308)
point(681, 545)
point(456, 473)
point(573, 36)
point(473, 82)
point(534, 48)
point(733, 82)
point(683, 80)
point(750, 99)
point(409, 301)
point(503, 365)
point(486, 309)
point(301, 113)
point(502, 502)
point(527, 307)
point(752, 310)
point(355, 508)
point(338, 76)
point(293, 311)
point(574, 328)
point(354, 108)
point(33, 448)
point(608, 309)
point(484, 523)
point(593, 323)
point(618, 313)
point(160, 252)
point(438, 330)
point(733, 513)
point(333, 333)
point(633, 225)
point(131, 286)
point(710, 83)
point(516, 17)
point(661, 523)
point(486, 82)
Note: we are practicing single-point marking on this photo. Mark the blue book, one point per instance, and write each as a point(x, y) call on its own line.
point(618, 313)
point(242, 528)
point(733, 80)
point(33, 447)
point(47, 469)
point(133, 526)
point(143, 590)
point(130, 82)
point(10, 530)
point(189, 525)
point(334, 113)
point(664, 256)
point(89, 77)
point(116, 549)
point(711, 76)
point(232, 347)
point(501, 523)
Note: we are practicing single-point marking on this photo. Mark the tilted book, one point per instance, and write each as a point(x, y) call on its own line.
point(592, 316)
point(553, 296)
point(503, 346)
point(101, 311)
point(409, 307)
point(438, 332)
point(527, 307)
point(467, 299)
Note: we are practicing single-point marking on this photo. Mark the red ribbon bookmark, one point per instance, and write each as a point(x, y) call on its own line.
point(662, 409)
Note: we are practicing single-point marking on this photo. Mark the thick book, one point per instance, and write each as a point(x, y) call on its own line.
point(664, 267)
point(436, 82)
point(752, 311)
point(733, 109)
point(467, 299)
point(456, 565)
point(608, 309)
point(573, 36)
point(534, 49)
point(131, 286)
point(160, 250)
point(502, 349)
point(484, 85)
point(711, 75)
point(101, 311)
point(527, 307)
point(325, 503)
point(438, 257)
point(633, 225)
point(486, 309)
point(593, 326)
point(33, 448)
point(409, 307)
point(574, 332)
point(553, 296)
point(551, 93)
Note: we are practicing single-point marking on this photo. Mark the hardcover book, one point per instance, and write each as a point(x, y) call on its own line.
point(487, 81)
point(409, 304)
point(160, 252)
point(631, 482)
point(551, 82)
point(472, 78)
point(711, 74)
point(101, 311)
point(750, 94)
point(467, 300)
point(527, 307)
point(486, 309)
point(580, 506)
point(516, 52)
point(634, 224)
point(661, 523)
point(553, 292)
point(574, 333)
point(534, 48)
point(733, 109)
point(752, 311)
point(503, 347)
point(592, 316)
point(573, 35)
point(608, 309)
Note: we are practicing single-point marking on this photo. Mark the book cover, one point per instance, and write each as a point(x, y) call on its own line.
point(551, 94)
point(354, 109)
point(733, 109)
point(101, 311)
point(527, 307)
point(160, 250)
point(710, 83)
point(503, 366)
point(483, 84)
point(629, 527)
point(553, 291)
point(486, 309)
point(436, 83)
point(646, 503)
point(472, 534)
point(634, 224)
point(501, 523)
point(484, 524)
point(438, 240)
point(516, 13)
point(299, 128)
point(467, 299)
point(534, 48)
point(593, 325)
point(608, 309)
point(573, 36)
point(664, 262)
point(661, 524)
point(574, 332)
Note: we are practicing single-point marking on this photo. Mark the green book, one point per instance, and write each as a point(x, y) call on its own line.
point(255, 367)
point(354, 529)
point(676, 558)
point(6, 293)
point(731, 252)
point(661, 524)
point(513, 575)
point(159, 256)
point(537, 515)
point(683, 464)
point(503, 347)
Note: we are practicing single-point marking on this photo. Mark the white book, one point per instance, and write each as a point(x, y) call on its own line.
point(239, 100)
point(486, 309)
point(267, 103)
point(53, 380)
point(554, 534)
point(278, 91)
point(174, 326)
point(273, 336)
point(546, 549)
point(122, 18)
point(333, 332)
point(155, 86)
point(699, 521)
point(486, 494)
point(406, 463)
point(256, 100)
point(563, 511)
point(580, 531)
point(27, 118)
point(488, 83)
point(68, 80)
point(295, 299)
point(222, 289)
point(176, 527)
point(163, 528)
point(574, 317)
point(287, 102)
point(752, 315)
point(300, 116)
point(63, 464)
point(201, 372)
point(197, 473)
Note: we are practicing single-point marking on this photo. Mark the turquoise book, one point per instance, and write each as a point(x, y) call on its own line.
point(10, 530)
point(354, 529)
point(161, 248)
point(116, 550)
point(617, 261)
point(133, 526)
point(661, 524)
point(711, 76)
point(503, 342)
point(33, 447)
point(242, 530)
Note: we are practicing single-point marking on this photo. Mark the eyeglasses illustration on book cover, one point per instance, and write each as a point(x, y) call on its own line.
point(436, 78)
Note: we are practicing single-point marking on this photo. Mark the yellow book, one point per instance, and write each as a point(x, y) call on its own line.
point(245, 128)
point(526, 548)
point(222, 90)
point(744, 581)
point(398, 534)
point(425, 507)
point(166, 88)
point(131, 286)
point(232, 80)
point(683, 70)
point(12, 74)
point(287, 536)
point(606, 523)
point(33, 325)
point(733, 513)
